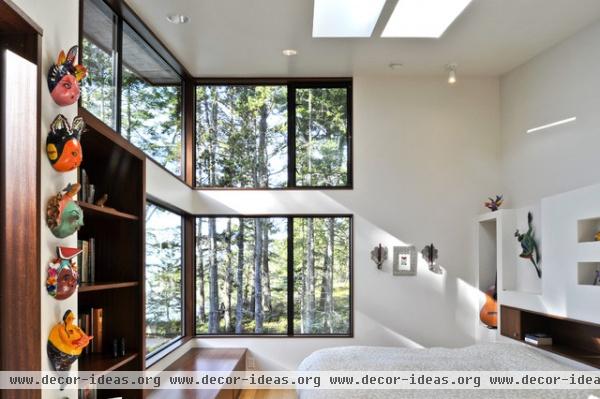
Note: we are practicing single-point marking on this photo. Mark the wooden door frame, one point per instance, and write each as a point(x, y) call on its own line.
point(20, 270)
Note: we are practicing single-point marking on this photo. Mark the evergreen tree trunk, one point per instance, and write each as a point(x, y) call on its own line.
point(239, 315)
point(213, 292)
point(201, 282)
point(328, 275)
point(265, 269)
point(309, 279)
point(258, 310)
point(228, 280)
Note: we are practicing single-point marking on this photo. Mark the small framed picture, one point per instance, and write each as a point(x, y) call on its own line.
point(405, 261)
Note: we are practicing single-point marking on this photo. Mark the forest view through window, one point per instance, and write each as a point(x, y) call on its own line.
point(244, 138)
point(164, 271)
point(244, 270)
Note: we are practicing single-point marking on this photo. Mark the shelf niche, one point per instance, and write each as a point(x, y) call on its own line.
point(488, 253)
point(586, 273)
point(587, 229)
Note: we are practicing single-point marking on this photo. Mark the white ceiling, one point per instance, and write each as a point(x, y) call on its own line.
point(232, 38)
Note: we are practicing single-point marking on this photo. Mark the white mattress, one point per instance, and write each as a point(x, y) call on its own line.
point(488, 357)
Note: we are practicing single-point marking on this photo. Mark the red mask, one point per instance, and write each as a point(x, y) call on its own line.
point(66, 91)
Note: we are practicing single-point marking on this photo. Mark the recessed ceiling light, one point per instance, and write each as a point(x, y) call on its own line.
point(178, 19)
point(289, 52)
point(423, 18)
point(396, 65)
point(346, 18)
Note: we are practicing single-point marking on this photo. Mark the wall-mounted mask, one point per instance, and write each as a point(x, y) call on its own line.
point(65, 342)
point(62, 273)
point(64, 78)
point(62, 144)
point(63, 216)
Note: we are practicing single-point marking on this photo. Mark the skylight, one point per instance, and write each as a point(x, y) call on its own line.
point(346, 18)
point(423, 18)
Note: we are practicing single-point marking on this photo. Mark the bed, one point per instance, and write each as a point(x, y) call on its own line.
point(489, 357)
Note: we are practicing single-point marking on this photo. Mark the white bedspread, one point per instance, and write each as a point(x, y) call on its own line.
point(489, 357)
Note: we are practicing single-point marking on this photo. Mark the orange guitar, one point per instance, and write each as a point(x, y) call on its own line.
point(489, 312)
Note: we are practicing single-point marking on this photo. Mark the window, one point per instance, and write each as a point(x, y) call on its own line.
point(273, 275)
point(273, 136)
point(151, 103)
point(130, 86)
point(241, 136)
point(322, 137)
point(98, 52)
point(164, 277)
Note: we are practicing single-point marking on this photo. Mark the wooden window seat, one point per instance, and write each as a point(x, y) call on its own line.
point(207, 359)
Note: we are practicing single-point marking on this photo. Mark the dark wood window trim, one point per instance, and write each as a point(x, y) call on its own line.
point(292, 85)
point(290, 272)
point(176, 342)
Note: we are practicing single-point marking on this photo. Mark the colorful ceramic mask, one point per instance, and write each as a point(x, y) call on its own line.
point(62, 273)
point(64, 78)
point(63, 216)
point(65, 343)
point(62, 144)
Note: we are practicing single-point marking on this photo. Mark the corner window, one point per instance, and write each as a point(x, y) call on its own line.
point(287, 135)
point(279, 275)
point(164, 277)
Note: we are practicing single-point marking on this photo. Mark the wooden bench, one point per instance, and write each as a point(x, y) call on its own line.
point(204, 359)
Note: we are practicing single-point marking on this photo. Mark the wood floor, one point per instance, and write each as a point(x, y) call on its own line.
point(268, 394)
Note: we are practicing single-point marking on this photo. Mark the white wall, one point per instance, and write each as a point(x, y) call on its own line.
point(58, 19)
point(541, 168)
point(559, 83)
point(425, 157)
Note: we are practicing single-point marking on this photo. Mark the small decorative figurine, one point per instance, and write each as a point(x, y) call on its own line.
point(62, 273)
point(597, 279)
point(102, 200)
point(65, 343)
point(64, 78)
point(597, 236)
point(430, 254)
point(63, 216)
point(494, 204)
point(379, 255)
point(529, 246)
point(62, 144)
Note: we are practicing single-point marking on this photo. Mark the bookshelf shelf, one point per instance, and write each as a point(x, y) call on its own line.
point(91, 287)
point(112, 308)
point(104, 362)
point(95, 210)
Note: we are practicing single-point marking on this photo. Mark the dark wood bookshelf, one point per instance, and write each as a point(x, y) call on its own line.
point(95, 210)
point(573, 339)
point(117, 169)
point(91, 287)
point(105, 362)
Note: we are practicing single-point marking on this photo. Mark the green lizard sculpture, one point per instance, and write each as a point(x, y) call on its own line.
point(529, 245)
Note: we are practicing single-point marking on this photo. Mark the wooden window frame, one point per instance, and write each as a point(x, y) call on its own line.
point(290, 277)
point(292, 85)
point(157, 354)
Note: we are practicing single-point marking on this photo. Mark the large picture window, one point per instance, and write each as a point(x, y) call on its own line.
point(295, 135)
point(278, 275)
point(164, 277)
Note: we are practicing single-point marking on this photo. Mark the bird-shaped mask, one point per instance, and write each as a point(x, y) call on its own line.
point(62, 144)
